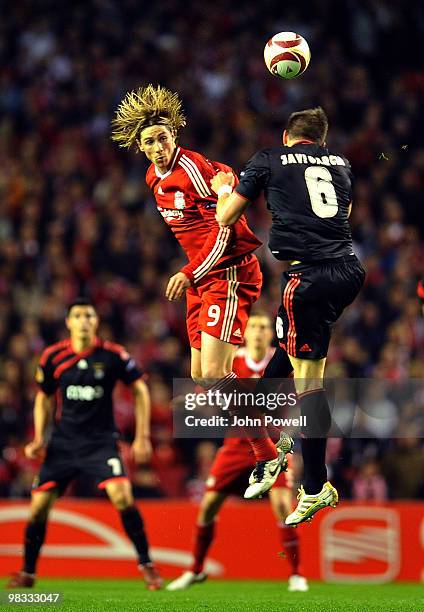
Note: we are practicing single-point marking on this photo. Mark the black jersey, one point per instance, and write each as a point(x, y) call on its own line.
point(84, 384)
point(308, 191)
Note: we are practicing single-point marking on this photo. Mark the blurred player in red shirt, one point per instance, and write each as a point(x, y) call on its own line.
point(222, 278)
point(420, 292)
point(232, 466)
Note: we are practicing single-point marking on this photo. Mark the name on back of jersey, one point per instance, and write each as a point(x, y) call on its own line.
point(302, 158)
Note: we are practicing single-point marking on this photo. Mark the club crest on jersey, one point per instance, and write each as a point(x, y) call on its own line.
point(99, 370)
point(179, 201)
point(82, 364)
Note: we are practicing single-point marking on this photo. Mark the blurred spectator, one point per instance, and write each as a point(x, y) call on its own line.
point(369, 484)
point(403, 467)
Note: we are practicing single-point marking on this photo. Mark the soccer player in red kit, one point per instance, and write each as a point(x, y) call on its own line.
point(222, 278)
point(233, 464)
point(420, 292)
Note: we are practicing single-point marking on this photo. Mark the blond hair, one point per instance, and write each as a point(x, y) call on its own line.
point(143, 107)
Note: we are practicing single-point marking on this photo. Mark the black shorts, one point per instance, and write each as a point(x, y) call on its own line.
point(313, 298)
point(100, 461)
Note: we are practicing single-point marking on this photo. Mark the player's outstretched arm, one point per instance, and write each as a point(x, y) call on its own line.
point(141, 447)
point(43, 412)
point(230, 205)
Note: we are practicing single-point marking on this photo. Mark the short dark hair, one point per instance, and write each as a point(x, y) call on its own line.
point(311, 124)
point(259, 312)
point(80, 301)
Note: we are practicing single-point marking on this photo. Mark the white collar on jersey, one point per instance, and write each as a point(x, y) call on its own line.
point(168, 172)
point(255, 366)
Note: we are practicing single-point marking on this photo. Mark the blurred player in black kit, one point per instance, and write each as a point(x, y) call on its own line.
point(82, 372)
point(308, 190)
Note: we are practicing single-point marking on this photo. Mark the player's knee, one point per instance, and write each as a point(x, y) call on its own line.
point(209, 507)
point(196, 377)
point(308, 373)
point(39, 513)
point(207, 513)
point(214, 372)
point(122, 499)
point(39, 516)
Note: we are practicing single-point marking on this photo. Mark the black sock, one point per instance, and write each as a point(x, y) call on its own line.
point(315, 471)
point(134, 528)
point(314, 407)
point(35, 533)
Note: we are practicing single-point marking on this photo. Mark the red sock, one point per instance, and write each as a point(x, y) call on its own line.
point(264, 448)
point(202, 540)
point(262, 445)
point(290, 543)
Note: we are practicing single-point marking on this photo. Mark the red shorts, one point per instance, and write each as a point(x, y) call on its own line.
point(232, 467)
point(220, 304)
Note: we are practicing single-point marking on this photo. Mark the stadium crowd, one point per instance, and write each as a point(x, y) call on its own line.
point(76, 216)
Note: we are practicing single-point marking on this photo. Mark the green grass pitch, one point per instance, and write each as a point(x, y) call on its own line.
point(226, 596)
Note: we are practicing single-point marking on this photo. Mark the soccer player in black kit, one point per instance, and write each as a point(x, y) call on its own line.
point(82, 373)
point(308, 190)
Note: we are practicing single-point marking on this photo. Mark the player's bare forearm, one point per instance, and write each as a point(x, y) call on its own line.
point(229, 206)
point(141, 409)
point(43, 412)
point(231, 209)
point(141, 447)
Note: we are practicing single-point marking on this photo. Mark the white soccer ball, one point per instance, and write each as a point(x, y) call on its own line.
point(287, 55)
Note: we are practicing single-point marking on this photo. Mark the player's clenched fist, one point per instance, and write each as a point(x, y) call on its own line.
point(222, 178)
point(177, 285)
point(35, 450)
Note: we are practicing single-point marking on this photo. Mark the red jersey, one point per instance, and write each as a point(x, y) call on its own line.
point(185, 199)
point(245, 367)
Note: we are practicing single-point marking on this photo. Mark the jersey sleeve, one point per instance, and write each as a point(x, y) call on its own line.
point(44, 376)
point(219, 238)
point(254, 177)
point(128, 370)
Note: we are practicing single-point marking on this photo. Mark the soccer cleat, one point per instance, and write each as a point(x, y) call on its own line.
point(21, 579)
point(266, 472)
point(186, 580)
point(285, 445)
point(310, 504)
point(152, 578)
point(297, 583)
